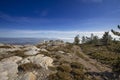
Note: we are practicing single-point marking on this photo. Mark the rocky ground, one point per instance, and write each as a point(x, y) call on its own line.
point(39, 62)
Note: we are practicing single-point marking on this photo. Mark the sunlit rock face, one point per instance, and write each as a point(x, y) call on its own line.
point(39, 60)
point(8, 70)
point(13, 59)
point(5, 48)
point(31, 50)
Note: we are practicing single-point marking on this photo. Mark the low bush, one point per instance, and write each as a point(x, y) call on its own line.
point(64, 68)
point(77, 65)
point(64, 75)
point(28, 67)
point(18, 53)
point(104, 54)
point(77, 71)
point(60, 76)
point(116, 66)
point(52, 68)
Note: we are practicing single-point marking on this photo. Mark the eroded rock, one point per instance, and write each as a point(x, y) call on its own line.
point(39, 60)
point(13, 58)
point(31, 50)
point(8, 70)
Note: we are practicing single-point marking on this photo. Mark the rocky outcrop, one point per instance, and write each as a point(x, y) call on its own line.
point(8, 70)
point(39, 60)
point(61, 52)
point(43, 50)
point(13, 59)
point(31, 50)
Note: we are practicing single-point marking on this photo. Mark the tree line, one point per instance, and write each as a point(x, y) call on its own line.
point(105, 40)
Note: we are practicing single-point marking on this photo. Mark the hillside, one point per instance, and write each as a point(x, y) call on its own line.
point(51, 60)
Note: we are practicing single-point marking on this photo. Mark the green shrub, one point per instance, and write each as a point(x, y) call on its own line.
point(28, 67)
point(76, 65)
point(77, 71)
point(103, 54)
point(52, 68)
point(53, 77)
point(64, 68)
point(18, 53)
point(63, 75)
point(116, 66)
point(78, 74)
point(60, 76)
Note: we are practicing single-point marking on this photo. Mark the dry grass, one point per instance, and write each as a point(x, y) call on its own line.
point(18, 53)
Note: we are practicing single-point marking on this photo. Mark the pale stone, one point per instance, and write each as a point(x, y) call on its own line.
point(39, 60)
point(44, 50)
point(61, 52)
point(13, 58)
point(8, 70)
point(31, 50)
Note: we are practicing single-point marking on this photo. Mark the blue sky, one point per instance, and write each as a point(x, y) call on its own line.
point(57, 18)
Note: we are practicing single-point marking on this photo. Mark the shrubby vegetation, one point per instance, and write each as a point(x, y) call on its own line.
point(105, 50)
point(76, 40)
point(73, 71)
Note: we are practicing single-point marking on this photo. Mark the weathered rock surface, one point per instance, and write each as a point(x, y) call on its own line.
point(43, 50)
point(13, 58)
point(39, 60)
point(8, 70)
point(31, 50)
point(61, 52)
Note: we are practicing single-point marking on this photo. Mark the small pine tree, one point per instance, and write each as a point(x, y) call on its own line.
point(92, 36)
point(106, 39)
point(83, 39)
point(116, 65)
point(95, 40)
point(115, 32)
point(76, 40)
